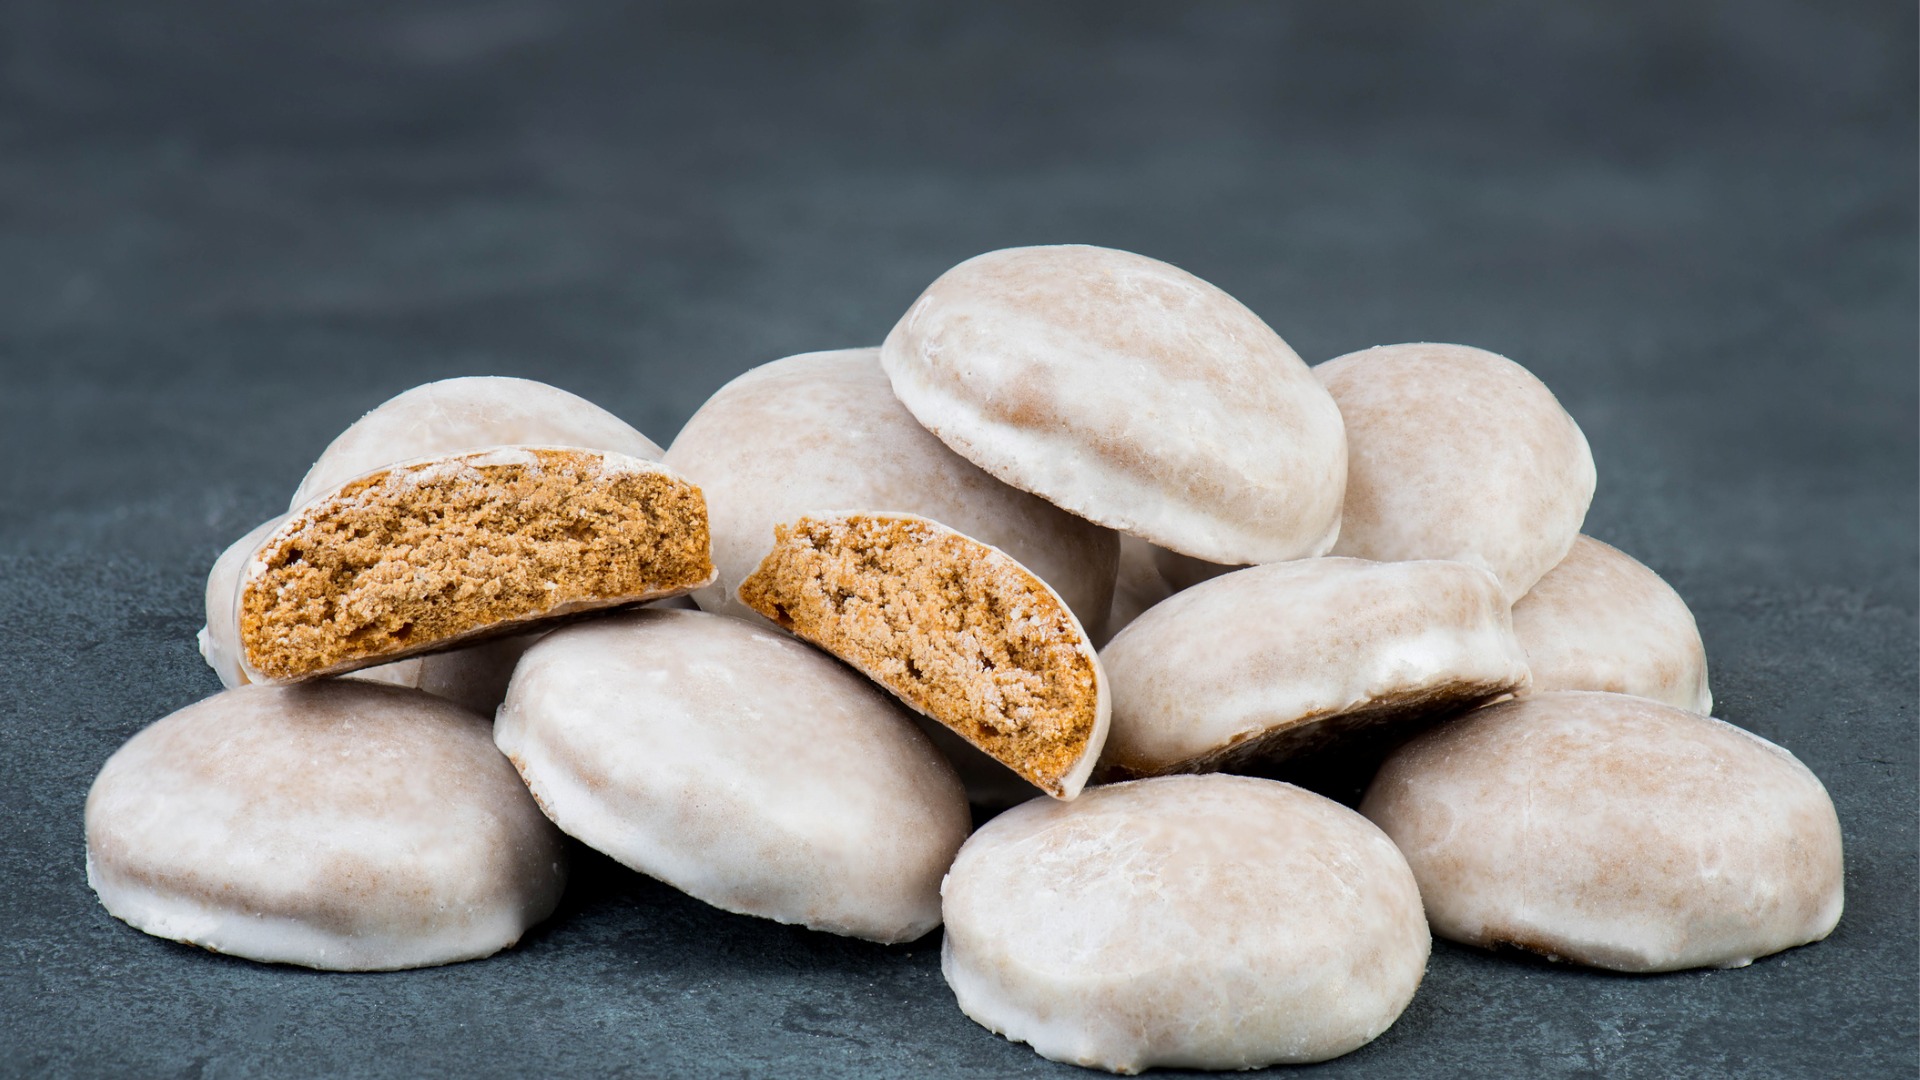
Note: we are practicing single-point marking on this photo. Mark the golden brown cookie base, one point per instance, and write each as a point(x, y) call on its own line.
point(1260, 750)
point(404, 559)
point(953, 627)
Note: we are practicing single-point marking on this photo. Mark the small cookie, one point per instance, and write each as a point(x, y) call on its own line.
point(1274, 661)
point(1602, 621)
point(1202, 922)
point(339, 825)
point(823, 431)
point(739, 766)
point(953, 627)
point(1613, 831)
point(1456, 453)
point(473, 413)
point(1129, 392)
point(427, 554)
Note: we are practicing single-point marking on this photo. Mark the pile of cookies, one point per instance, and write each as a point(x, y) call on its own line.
point(1084, 538)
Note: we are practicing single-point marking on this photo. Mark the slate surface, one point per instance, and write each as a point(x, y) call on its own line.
point(229, 228)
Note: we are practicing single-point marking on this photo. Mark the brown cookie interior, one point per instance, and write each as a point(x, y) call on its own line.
point(953, 627)
point(408, 558)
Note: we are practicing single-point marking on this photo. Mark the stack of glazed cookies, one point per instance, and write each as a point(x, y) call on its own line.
point(1084, 541)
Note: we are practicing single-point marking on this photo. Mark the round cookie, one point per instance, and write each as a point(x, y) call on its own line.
point(953, 627)
point(823, 431)
point(474, 677)
point(1129, 392)
point(739, 766)
point(342, 825)
point(1273, 661)
point(1602, 621)
point(471, 413)
point(1211, 922)
point(1456, 453)
point(1613, 831)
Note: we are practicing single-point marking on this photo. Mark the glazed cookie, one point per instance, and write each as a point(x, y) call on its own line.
point(1209, 922)
point(823, 431)
point(475, 677)
point(739, 766)
point(953, 627)
point(341, 825)
point(1602, 621)
point(427, 554)
point(1613, 831)
point(1456, 453)
point(1273, 661)
point(1131, 393)
point(474, 413)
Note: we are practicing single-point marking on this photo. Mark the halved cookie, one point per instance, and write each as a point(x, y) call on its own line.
point(418, 556)
point(955, 628)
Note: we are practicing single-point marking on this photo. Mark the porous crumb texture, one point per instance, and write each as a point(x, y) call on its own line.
point(403, 559)
point(955, 628)
point(1400, 713)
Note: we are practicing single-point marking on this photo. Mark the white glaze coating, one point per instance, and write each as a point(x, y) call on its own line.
point(1215, 922)
point(220, 637)
point(341, 825)
point(1129, 392)
point(823, 431)
point(1288, 645)
point(1613, 831)
point(1602, 621)
point(1457, 453)
point(474, 677)
point(740, 766)
point(454, 415)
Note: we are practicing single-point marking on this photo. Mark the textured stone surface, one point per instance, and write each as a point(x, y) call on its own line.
point(233, 229)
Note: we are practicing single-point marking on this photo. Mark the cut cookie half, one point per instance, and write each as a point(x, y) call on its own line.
point(418, 556)
point(953, 627)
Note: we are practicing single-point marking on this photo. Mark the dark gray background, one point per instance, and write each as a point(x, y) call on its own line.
point(228, 228)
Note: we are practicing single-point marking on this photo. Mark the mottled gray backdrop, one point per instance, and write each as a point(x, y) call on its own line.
point(227, 228)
